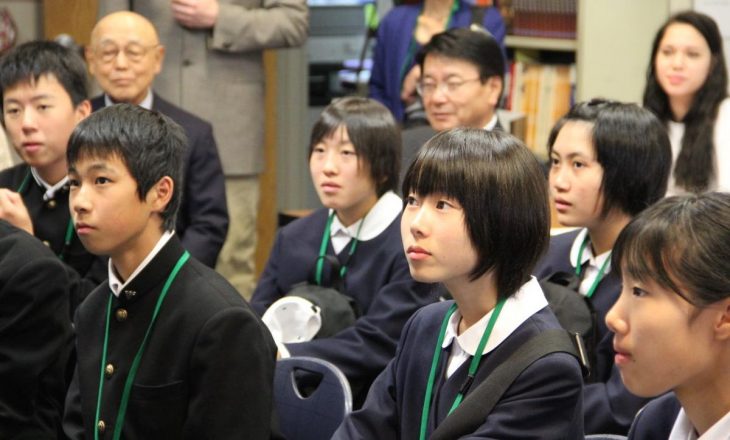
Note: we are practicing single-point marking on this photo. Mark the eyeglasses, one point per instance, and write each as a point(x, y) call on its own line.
point(134, 52)
point(427, 88)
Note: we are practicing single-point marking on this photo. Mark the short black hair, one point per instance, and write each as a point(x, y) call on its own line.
point(372, 131)
point(681, 243)
point(502, 189)
point(150, 144)
point(474, 45)
point(30, 61)
point(633, 148)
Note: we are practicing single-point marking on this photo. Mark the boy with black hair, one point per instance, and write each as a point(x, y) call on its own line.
point(44, 91)
point(168, 349)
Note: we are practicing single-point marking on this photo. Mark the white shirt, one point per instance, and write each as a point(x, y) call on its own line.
point(492, 122)
point(721, 141)
point(50, 189)
point(380, 216)
point(683, 429)
point(590, 272)
point(118, 285)
point(527, 301)
point(146, 102)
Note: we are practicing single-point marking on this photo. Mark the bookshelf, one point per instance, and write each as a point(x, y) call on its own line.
point(612, 46)
point(610, 55)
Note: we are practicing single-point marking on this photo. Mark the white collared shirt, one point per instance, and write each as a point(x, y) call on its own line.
point(590, 272)
point(50, 189)
point(527, 301)
point(118, 285)
point(146, 102)
point(683, 429)
point(380, 216)
point(492, 123)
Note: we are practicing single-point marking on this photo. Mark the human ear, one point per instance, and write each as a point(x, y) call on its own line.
point(494, 85)
point(161, 193)
point(722, 324)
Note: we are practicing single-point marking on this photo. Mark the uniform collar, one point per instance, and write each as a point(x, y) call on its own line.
point(683, 429)
point(51, 190)
point(527, 301)
point(587, 257)
point(117, 285)
point(381, 215)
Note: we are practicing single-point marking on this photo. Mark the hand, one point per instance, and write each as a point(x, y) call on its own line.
point(408, 91)
point(13, 210)
point(196, 14)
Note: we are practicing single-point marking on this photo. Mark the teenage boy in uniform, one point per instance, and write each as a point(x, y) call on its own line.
point(44, 91)
point(167, 349)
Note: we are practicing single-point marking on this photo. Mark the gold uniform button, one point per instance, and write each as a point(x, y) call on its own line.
point(47, 243)
point(52, 204)
point(121, 315)
point(109, 370)
point(101, 426)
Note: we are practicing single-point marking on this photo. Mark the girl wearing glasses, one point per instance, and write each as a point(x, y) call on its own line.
point(672, 320)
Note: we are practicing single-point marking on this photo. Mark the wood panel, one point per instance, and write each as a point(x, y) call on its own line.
point(73, 17)
point(266, 221)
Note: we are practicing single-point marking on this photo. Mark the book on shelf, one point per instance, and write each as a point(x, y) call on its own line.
point(544, 93)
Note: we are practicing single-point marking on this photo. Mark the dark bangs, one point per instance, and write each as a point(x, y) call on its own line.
point(681, 244)
point(502, 190)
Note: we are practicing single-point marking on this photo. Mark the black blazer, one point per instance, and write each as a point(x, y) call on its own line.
point(35, 336)
point(50, 222)
point(202, 221)
point(207, 371)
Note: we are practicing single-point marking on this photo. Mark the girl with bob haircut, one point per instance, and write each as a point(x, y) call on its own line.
point(672, 320)
point(354, 160)
point(609, 161)
point(475, 219)
point(686, 87)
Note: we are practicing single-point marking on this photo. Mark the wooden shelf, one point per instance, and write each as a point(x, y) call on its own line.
point(556, 44)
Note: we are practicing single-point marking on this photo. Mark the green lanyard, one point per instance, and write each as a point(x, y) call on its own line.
point(323, 249)
point(579, 268)
point(472, 366)
point(413, 45)
point(69, 228)
point(119, 424)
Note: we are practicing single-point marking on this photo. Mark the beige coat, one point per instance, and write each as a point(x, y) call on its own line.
point(218, 74)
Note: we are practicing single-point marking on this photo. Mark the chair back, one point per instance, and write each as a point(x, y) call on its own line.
point(312, 397)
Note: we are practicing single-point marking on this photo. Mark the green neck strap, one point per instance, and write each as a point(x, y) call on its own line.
point(69, 228)
point(472, 366)
point(323, 248)
point(601, 270)
point(119, 423)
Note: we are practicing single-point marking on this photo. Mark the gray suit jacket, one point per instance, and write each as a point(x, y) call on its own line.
point(217, 74)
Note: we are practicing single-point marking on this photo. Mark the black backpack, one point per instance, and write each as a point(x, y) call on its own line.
point(574, 312)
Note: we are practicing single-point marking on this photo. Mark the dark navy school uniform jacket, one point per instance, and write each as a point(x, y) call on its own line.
point(544, 402)
point(202, 221)
point(50, 223)
point(608, 406)
point(656, 420)
point(377, 278)
point(206, 372)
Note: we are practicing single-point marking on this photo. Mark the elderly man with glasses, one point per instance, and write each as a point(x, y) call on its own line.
point(124, 57)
